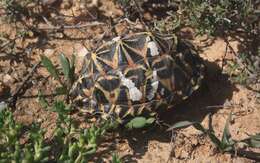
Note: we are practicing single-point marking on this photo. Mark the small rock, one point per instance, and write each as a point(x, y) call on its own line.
point(48, 52)
point(8, 79)
point(39, 120)
point(43, 72)
point(3, 106)
point(94, 3)
point(148, 16)
point(66, 4)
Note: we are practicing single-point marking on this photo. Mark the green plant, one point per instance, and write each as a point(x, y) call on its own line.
point(68, 70)
point(217, 16)
point(71, 143)
point(139, 122)
point(79, 146)
point(36, 150)
point(76, 144)
point(11, 150)
point(168, 25)
point(123, 2)
point(116, 158)
point(245, 69)
point(226, 143)
point(9, 137)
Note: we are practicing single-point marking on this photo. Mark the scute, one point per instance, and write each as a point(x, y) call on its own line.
point(137, 73)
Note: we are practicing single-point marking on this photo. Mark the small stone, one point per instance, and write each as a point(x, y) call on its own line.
point(8, 79)
point(148, 16)
point(66, 4)
point(43, 72)
point(48, 52)
point(3, 106)
point(94, 3)
point(39, 120)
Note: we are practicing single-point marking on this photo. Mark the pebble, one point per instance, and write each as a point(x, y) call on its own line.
point(3, 106)
point(48, 52)
point(8, 79)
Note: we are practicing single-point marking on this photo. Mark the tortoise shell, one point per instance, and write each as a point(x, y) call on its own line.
point(137, 73)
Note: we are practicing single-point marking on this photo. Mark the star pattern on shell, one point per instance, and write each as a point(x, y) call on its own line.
point(130, 75)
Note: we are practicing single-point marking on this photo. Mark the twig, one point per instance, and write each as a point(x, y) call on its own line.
point(6, 44)
point(140, 13)
point(224, 57)
point(90, 24)
point(229, 46)
point(235, 53)
point(128, 21)
point(113, 26)
point(172, 147)
point(248, 154)
point(218, 106)
point(12, 100)
point(47, 21)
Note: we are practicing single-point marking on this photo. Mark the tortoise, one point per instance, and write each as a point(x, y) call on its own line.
point(137, 73)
